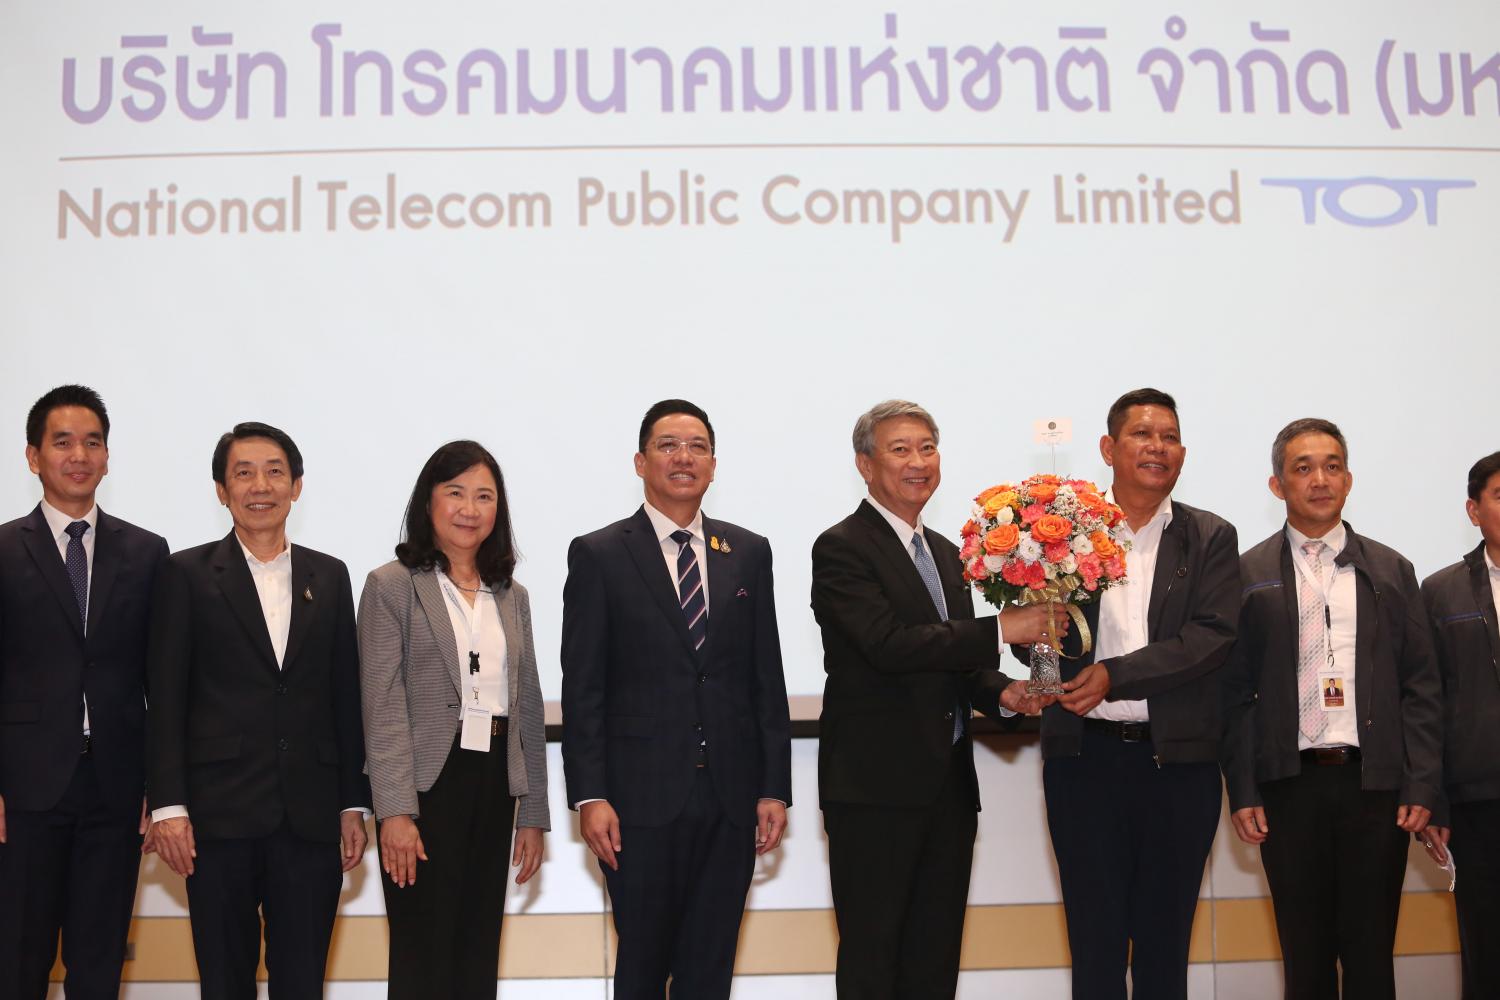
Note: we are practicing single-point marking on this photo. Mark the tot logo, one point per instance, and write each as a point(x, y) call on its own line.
point(1411, 193)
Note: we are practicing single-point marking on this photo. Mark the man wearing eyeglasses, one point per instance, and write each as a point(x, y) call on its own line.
point(676, 737)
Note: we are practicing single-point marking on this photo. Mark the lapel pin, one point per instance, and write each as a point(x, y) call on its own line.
point(724, 546)
point(307, 595)
point(713, 542)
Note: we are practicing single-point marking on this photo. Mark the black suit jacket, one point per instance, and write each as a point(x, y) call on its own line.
point(1190, 624)
point(48, 665)
point(635, 692)
point(239, 742)
point(1461, 609)
point(895, 669)
point(1397, 687)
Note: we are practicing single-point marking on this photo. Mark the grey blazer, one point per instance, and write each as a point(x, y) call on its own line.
point(410, 683)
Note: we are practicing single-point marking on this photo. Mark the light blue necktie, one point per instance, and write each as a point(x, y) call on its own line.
point(927, 570)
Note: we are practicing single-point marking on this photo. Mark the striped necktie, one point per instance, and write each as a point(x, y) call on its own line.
point(690, 588)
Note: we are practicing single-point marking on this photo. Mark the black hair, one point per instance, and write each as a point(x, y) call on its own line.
point(667, 408)
point(1479, 475)
point(1294, 430)
point(64, 395)
point(496, 558)
point(1136, 397)
point(253, 429)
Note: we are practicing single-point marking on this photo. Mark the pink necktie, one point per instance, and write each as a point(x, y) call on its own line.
point(1312, 651)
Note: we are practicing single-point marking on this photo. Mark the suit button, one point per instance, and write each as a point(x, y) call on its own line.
point(284, 744)
point(281, 689)
point(702, 678)
point(698, 727)
point(948, 715)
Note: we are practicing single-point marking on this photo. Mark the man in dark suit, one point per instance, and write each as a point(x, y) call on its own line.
point(906, 660)
point(676, 737)
point(1130, 752)
point(74, 610)
point(1330, 790)
point(256, 744)
point(1461, 600)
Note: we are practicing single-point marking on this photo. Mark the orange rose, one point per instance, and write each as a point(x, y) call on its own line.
point(999, 541)
point(1104, 546)
point(1093, 503)
point(998, 502)
point(1043, 492)
point(1051, 528)
point(984, 497)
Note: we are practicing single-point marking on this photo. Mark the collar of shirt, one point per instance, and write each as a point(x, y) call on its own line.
point(1156, 525)
point(903, 530)
point(1336, 539)
point(281, 562)
point(1494, 570)
point(664, 525)
point(58, 522)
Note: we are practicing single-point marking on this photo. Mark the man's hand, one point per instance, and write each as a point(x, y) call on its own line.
point(1086, 690)
point(1250, 824)
point(527, 854)
point(174, 842)
point(1017, 699)
point(400, 849)
point(600, 826)
point(1032, 623)
point(770, 824)
point(352, 838)
point(1435, 841)
point(1413, 819)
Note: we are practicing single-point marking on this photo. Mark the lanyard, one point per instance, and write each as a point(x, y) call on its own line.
point(473, 625)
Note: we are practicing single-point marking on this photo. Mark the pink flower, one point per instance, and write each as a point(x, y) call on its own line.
point(1114, 567)
point(1030, 515)
point(976, 571)
point(1056, 552)
point(1036, 576)
point(971, 548)
point(1090, 568)
point(1014, 573)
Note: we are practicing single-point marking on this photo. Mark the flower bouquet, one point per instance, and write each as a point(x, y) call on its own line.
point(1046, 539)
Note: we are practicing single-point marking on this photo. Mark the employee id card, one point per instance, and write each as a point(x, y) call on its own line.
point(475, 734)
point(1333, 691)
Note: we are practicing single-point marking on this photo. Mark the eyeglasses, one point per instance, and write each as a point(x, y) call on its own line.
point(696, 447)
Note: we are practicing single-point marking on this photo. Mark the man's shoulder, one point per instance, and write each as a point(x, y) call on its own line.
point(1204, 522)
point(1453, 575)
point(607, 534)
point(1266, 552)
point(319, 560)
point(11, 530)
point(195, 556)
point(856, 525)
point(737, 535)
point(1380, 557)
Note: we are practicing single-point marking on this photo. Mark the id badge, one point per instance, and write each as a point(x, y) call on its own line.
point(1333, 693)
point(475, 734)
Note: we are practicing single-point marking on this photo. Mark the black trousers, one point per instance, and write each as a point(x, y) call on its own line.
point(1131, 841)
point(1335, 859)
point(291, 883)
point(445, 926)
point(900, 880)
point(1476, 846)
point(678, 899)
point(70, 869)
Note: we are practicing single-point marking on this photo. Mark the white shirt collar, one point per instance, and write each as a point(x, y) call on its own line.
point(284, 557)
point(664, 525)
point(58, 522)
point(1163, 512)
point(1335, 538)
point(1494, 570)
point(903, 530)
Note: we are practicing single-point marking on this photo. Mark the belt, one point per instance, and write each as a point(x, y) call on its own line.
point(1330, 755)
point(1125, 732)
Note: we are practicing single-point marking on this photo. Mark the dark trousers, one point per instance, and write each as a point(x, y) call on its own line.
point(1131, 840)
point(70, 869)
point(1334, 859)
point(900, 880)
point(445, 926)
point(290, 882)
point(678, 899)
point(1476, 844)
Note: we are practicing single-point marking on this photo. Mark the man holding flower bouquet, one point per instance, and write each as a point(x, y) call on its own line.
point(1131, 747)
point(906, 660)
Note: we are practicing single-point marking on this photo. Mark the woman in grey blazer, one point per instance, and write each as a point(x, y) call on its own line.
point(454, 740)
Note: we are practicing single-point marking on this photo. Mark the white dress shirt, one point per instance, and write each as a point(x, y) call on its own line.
point(1339, 590)
point(57, 523)
point(1124, 610)
point(664, 526)
point(905, 532)
point(273, 585)
point(477, 629)
point(1494, 578)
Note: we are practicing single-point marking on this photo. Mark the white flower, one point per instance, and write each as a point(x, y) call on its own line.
point(1029, 549)
point(977, 513)
point(1005, 516)
point(1051, 572)
point(1067, 566)
point(993, 563)
point(1081, 545)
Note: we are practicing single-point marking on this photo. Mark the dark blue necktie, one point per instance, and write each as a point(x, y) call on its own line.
point(690, 588)
point(927, 570)
point(78, 567)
